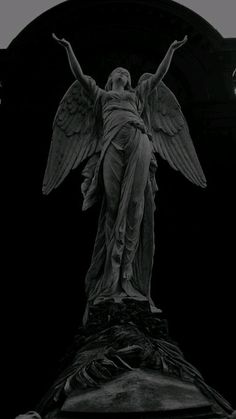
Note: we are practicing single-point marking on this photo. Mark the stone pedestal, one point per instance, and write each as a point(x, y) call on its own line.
point(139, 391)
point(125, 364)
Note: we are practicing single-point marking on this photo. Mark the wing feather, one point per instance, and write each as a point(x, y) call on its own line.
point(67, 162)
point(166, 153)
point(183, 163)
point(74, 137)
point(170, 134)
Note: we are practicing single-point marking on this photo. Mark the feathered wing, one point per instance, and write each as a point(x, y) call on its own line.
point(75, 134)
point(170, 134)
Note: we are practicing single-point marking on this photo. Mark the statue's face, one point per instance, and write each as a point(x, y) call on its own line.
point(120, 75)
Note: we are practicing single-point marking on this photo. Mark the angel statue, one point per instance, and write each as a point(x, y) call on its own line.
point(118, 130)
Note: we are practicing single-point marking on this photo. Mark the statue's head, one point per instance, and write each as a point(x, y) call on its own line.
point(144, 77)
point(120, 74)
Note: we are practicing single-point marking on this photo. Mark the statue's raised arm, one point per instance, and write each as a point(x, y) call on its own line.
point(165, 64)
point(74, 64)
point(76, 135)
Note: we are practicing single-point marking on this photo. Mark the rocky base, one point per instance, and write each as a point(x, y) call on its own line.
point(138, 391)
point(123, 361)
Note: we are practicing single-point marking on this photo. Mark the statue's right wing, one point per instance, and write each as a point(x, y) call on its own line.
point(169, 129)
point(171, 136)
point(76, 134)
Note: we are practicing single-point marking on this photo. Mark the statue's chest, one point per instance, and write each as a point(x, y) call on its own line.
point(113, 97)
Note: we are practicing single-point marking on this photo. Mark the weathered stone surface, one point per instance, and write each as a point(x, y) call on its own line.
point(123, 360)
point(138, 391)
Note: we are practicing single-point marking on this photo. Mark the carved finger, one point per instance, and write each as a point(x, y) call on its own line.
point(55, 37)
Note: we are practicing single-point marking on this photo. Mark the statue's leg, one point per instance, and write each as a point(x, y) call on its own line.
point(108, 285)
point(136, 206)
point(113, 171)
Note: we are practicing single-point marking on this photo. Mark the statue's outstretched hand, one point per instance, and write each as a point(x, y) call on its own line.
point(177, 44)
point(62, 41)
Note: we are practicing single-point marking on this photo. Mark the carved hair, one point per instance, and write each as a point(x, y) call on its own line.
point(109, 81)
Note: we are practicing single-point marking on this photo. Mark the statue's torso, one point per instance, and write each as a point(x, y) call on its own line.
point(120, 112)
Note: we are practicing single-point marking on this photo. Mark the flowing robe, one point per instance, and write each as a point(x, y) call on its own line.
point(122, 259)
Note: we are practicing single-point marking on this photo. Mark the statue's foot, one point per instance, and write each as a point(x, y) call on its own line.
point(29, 415)
point(157, 310)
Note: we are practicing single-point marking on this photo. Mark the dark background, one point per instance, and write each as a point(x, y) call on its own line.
point(49, 240)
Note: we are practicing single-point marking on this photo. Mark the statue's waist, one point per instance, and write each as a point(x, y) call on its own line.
point(116, 120)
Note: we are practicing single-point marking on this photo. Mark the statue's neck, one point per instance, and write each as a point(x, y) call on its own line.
point(116, 86)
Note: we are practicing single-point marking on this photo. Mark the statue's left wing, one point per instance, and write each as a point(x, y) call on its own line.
point(76, 135)
point(170, 134)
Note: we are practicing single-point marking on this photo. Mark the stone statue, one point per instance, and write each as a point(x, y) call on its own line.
point(118, 130)
point(123, 359)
